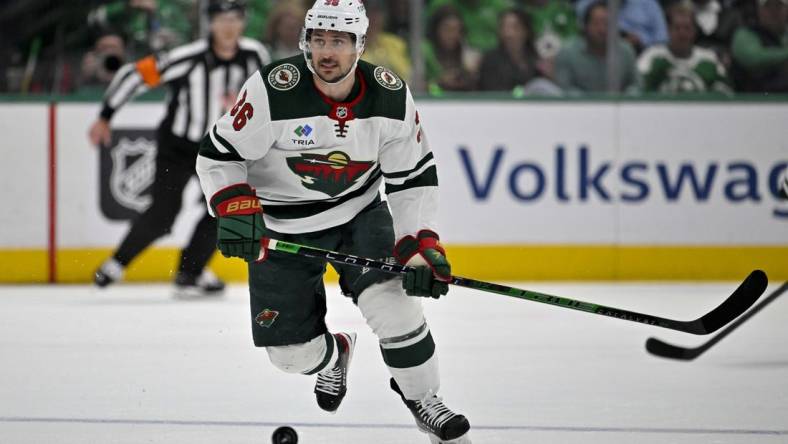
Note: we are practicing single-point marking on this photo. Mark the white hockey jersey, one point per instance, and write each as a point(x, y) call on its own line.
point(316, 163)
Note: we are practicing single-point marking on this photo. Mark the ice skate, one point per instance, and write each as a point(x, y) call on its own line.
point(110, 271)
point(191, 286)
point(436, 420)
point(331, 384)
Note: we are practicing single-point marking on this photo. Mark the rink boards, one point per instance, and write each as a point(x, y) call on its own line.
point(536, 190)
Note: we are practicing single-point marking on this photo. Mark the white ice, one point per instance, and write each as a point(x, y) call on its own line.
point(132, 365)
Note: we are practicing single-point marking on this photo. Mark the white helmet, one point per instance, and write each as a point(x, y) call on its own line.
point(336, 15)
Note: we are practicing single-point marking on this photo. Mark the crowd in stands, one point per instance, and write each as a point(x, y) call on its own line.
point(522, 47)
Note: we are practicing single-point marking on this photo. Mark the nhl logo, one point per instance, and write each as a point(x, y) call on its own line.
point(387, 79)
point(284, 77)
point(341, 112)
point(266, 318)
point(133, 169)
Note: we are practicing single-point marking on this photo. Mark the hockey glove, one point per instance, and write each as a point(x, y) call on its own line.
point(239, 223)
point(432, 271)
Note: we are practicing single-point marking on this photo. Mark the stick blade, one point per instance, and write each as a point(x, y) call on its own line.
point(670, 351)
point(737, 303)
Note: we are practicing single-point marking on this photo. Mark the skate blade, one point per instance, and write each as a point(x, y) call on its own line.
point(194, 293)
point(464, 439)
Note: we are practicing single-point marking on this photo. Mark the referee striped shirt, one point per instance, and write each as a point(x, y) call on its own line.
point(201, 87)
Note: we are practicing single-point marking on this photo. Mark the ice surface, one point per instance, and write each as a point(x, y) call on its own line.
point(131, 365)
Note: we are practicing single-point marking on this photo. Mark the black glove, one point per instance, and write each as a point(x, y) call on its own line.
point(432, 271)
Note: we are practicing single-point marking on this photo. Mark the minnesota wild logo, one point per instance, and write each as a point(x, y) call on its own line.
point(387, 79)
point(266, 317)
point(330, 173)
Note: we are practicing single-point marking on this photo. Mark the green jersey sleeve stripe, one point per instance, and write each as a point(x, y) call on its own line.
point(420, 164)
point(209, 150)
point(227, 145)
point(429, 178)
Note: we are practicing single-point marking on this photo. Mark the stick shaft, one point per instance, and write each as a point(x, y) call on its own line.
point(558, 301)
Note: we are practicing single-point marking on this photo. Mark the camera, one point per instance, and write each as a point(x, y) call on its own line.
point(110, 63)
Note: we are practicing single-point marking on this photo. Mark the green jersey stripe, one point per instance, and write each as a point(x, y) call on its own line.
point(420, 164)
point(311, 209)
point(227, 145)
point(429, 178)
point(410, 356)
point(209, 150)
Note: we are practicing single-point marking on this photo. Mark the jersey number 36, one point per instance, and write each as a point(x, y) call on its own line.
point(243, 112)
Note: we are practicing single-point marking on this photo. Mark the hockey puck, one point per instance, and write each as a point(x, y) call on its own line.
point(284, 435)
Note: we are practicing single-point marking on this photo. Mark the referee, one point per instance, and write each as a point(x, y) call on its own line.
point(203, 78)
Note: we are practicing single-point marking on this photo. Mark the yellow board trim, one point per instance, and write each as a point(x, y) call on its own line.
point(485, 262)
point(23, 266)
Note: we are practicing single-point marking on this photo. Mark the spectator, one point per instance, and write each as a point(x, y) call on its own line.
point(451, 64)
point(100, 64)
point(641, 22)
point(581, 66)
point(680, 66)
point(514, 63)
point(480, 18)
point(715, 25)
point(384, 48)
point(150, 25)
point(760, 51)
point(283, 30)
point(554, 24)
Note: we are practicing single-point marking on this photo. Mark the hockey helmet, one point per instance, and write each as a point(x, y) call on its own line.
point(336, 15)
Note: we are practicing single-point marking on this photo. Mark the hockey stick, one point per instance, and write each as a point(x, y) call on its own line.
point(737, 303)
point(665, 350)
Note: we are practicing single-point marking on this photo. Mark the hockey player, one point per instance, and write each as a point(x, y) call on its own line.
point(301, 158)
point(203, 79)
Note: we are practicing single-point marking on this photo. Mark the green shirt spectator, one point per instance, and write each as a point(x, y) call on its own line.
point(480, 18)
point(150, 25)
point(155, 25)
point(760, 52)
point(256, 16)
point(554, 24)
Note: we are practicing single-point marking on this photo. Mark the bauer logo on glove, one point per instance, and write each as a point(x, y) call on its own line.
point(240, 228)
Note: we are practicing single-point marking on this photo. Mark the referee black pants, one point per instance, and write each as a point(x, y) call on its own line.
point(175, 165)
